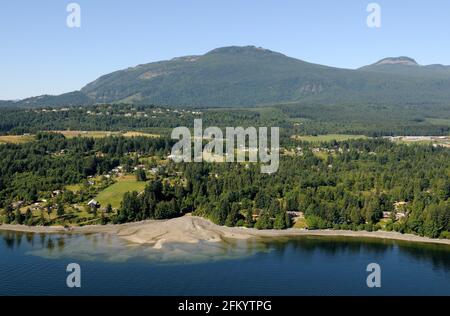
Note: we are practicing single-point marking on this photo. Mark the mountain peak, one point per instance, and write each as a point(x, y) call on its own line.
point(402, 60)
point(248, 76)
point(237, 50)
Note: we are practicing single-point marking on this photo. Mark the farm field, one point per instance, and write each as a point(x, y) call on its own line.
point(114, 193)
point(135, 134)
point(16, 139)
point(328, 137)
point(100, 134)
point(20, 139)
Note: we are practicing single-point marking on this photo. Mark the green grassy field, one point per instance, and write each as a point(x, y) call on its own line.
point(74, 187)
point(301, 223)
point(114, 193)
point(322, 155)
point(328, 137)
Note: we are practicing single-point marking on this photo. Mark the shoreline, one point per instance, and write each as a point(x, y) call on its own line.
point(192, 229)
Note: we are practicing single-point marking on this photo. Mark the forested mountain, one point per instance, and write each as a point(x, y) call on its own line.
point(249, 76)
point(407, 66)
point(66, 99)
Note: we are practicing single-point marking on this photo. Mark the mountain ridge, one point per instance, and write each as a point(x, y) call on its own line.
point(401, 60)
point(239, 76)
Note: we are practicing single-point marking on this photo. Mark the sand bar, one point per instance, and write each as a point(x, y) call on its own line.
point(192, 229)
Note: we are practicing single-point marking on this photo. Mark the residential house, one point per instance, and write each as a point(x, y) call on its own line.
point(93, 204)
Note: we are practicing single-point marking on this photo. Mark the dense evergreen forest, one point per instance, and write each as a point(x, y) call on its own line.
point(369, 119)
point(349, 189)
point(365, 184)
point(362, 119)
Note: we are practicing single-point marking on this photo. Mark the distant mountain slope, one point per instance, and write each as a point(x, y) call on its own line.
point(230, 76)
point(66, 99)
point(248, 76)
point(407, 66)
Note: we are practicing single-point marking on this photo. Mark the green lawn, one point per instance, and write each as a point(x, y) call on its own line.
point(74, 187)
point(328, 137)
point(114, 193)
point(322, 155)
point(301, 223)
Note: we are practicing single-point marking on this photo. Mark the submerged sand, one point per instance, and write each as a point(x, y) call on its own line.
point(192, 229)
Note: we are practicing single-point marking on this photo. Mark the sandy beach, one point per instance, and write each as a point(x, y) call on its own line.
point(191, 229)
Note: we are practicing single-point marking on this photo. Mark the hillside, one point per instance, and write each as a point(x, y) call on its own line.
point(408, 67)
point(248, 76)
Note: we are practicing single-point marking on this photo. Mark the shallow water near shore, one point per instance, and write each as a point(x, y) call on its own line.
point(35, 264)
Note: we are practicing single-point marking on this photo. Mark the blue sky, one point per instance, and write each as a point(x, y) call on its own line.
point(41, 55)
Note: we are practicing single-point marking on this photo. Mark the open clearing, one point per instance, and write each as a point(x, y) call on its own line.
point(16, 139)
point(328, 138)
point(20, 139)
point(100, 134)
point(114, 193)
point(438, 121)
point(135, 134)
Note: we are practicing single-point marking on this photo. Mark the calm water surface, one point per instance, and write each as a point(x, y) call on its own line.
point(35, 264)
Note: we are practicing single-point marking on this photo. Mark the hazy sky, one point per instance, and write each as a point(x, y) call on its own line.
point(40, 55)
